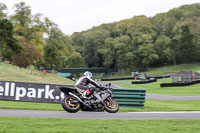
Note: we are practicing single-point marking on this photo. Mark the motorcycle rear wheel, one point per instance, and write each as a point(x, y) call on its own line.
point(69, 107)
point(111, 106)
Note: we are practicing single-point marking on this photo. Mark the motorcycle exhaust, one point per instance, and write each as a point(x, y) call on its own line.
point(78, 99)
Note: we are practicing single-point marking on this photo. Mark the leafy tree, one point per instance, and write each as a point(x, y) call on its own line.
point(22, 19)
point(118, 53)
point(147, 55)
point(57, 51)
point(28, 55)
point(31, 27)
point(111, 27)
point(162, 48)
point(122, 47)
point(158, 23)
point(93, 44)
point(185, 11)
point(3, 11)
point(109, 53)
point(37, 32)
point(122, 27)
point(141, 30)
point(75, 60)
point(77, 42)
point(184, 39)
point(8, 44)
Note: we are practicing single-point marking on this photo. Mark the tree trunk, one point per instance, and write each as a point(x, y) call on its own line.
point(174, 62)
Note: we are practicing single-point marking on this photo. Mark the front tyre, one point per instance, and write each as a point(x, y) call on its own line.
point(111, 105)
point(69, 106)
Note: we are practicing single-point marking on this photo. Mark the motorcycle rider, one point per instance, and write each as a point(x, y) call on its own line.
point(82, 85)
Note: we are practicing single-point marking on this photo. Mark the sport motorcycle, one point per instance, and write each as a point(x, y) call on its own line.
point(101, 99)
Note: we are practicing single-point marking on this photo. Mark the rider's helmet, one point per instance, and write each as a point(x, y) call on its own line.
point(88, 74)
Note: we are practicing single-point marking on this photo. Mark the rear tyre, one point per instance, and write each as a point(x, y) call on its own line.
point(68, 106)
point(111, 105)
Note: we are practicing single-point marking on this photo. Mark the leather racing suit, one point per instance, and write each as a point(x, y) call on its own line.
point(82, 85)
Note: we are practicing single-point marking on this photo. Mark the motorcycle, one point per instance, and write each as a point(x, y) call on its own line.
point(100, 100)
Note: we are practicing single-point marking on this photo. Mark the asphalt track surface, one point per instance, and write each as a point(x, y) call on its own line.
point(100, 115)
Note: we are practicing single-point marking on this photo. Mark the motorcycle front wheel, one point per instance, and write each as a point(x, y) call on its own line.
point(69, 106)
point(110, 105)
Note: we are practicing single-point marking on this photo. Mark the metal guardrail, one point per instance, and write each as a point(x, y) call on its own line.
point(179, 84)
point(132, 98)
point(82, 70)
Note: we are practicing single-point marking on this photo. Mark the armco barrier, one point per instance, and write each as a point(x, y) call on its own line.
point(82, 70)
point(179, 84)
point(112, 79)
point(144, 81)
point(50, 93)
point(134, 98)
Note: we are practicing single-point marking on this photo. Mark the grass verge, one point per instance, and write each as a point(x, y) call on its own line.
point(172, 69)
point(13, 73)
point(60, 125)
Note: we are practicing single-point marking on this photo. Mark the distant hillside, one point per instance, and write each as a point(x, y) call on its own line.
point(143, 42)
point(13, 73)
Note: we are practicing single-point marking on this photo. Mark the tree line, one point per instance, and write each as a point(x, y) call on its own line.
point(32, 39)
point(132, 44)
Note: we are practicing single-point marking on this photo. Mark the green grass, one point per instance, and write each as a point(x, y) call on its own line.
point(150, 105)
point(154, 88)
point(13, 73)
point(61, 125)
point(30, 106)
point(172, 69)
